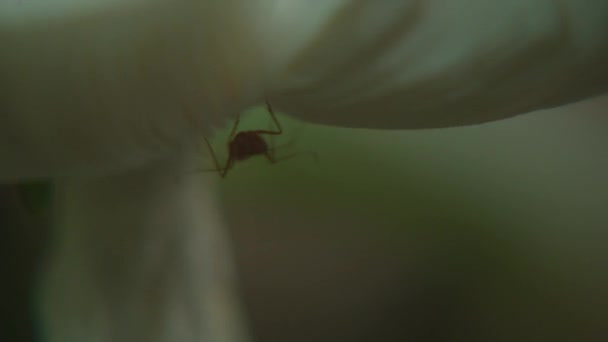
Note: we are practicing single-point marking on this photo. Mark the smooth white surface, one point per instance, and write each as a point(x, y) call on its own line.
point(417, 64)
point(105, 86)
point(139, 257)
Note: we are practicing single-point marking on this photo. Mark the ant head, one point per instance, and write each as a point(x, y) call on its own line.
point(247, 144)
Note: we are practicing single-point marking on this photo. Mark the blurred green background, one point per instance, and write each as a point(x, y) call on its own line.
point(487, 233)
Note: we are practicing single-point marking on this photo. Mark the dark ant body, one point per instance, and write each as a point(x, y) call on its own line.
point(246, 144)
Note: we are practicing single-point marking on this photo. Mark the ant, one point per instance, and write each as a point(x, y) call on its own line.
point(246, 144)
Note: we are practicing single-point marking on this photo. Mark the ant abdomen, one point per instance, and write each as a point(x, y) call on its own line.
point(247, 144)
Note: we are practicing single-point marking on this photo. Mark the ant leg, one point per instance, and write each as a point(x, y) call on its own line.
point(218, 169)
point(224, 171)
point(270, 156)
point(272, 148)
point(274, 118)
point(236, 124)
point(276, 122)
point(221, 170)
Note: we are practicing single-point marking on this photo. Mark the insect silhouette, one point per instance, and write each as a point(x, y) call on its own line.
point(246, 144)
